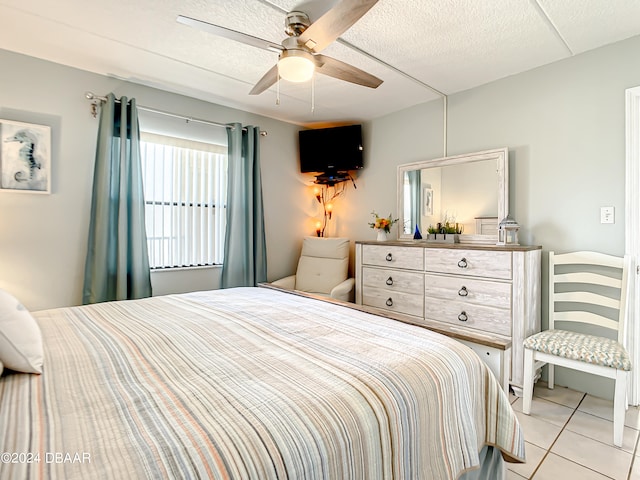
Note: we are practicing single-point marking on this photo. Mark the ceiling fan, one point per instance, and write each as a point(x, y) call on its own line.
point(299, 53)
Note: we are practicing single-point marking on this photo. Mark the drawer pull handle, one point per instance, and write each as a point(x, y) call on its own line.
point(463, 316)
point(389, 302)
point(389, 257)
point(463, 292)
point(463, 263)
point(389, 281)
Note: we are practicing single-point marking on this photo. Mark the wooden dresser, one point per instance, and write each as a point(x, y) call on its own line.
point(486, 296)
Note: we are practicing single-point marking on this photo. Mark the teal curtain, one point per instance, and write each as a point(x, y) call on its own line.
point(117, 264)
point(415, 184)
point(245, 251)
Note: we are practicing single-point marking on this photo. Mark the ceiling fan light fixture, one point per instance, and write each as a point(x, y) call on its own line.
point(296, 66)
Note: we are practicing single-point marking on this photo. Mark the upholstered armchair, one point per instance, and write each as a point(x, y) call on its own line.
point(322, 269)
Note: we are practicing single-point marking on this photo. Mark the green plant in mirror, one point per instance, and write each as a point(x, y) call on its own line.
point(448, 225)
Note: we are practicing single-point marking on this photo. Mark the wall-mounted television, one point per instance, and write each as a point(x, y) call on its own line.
point(331, 150)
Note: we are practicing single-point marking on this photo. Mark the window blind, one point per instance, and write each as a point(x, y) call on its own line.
point(185, 186)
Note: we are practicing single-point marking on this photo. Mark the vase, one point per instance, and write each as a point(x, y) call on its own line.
point(382, 235)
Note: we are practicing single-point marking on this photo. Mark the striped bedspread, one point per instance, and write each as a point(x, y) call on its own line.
point(248, 383)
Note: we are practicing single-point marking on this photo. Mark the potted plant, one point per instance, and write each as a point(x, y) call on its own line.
point(447, 231)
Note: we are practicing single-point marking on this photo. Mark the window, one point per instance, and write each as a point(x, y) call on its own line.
point(185, 189)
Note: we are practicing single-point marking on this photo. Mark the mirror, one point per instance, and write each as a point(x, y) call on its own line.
point(470, 190)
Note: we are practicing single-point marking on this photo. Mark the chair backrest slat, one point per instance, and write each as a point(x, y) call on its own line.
point(589, 258)
point(585, 277)
point(583, 282)
point(588, 298)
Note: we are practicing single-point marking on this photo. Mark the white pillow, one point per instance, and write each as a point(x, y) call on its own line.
point(20, 336)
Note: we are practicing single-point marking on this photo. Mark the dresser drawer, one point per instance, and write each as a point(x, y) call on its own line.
point(409, 258)
point(393, 280)
point(473, 263)
point(408, 303)
point(468, 290)
point(480, 317)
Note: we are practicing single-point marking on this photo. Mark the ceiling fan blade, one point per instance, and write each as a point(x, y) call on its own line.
point(343, 71)
point(230, 34)
point(334, 23)
point(266, 81)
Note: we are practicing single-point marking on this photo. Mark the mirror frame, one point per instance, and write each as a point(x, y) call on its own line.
point(500, 156)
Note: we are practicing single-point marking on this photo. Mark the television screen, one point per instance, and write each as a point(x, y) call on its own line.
point(337, 149)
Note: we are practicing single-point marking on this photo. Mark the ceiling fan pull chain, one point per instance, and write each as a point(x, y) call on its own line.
point(278, 91)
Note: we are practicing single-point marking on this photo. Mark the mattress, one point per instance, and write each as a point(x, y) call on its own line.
point(249, 383)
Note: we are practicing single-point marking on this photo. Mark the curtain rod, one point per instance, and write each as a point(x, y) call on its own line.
point(98, 98)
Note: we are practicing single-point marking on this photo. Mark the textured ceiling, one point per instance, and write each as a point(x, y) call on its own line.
point(415, 46)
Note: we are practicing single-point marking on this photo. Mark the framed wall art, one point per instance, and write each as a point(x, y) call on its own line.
point(25, 157)
point(428, 201)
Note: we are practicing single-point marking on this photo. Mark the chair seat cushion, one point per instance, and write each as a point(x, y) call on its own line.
point(579, 346)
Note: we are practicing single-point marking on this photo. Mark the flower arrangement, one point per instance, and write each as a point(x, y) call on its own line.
point(382, 223)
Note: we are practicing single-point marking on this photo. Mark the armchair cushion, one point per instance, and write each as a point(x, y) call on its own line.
point(323, 264)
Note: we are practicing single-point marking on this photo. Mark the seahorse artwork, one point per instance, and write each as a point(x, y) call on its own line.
point(25, 157)
point(26, 154)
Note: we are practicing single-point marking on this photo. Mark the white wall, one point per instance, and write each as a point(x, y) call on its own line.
point(43, 237)
point(564, 127)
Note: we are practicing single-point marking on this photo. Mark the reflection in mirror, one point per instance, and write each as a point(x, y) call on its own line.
point(468, 190)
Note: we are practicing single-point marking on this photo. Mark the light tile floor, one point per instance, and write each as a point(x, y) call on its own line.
point(569, 436)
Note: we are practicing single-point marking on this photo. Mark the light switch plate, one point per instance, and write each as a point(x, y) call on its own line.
point(607, 215)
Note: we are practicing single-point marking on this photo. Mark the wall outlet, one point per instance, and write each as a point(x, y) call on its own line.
point(607, 215)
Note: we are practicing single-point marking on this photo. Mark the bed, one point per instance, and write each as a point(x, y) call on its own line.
point(250, 383)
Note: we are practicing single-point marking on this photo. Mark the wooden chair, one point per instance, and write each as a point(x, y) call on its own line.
point(585, 288)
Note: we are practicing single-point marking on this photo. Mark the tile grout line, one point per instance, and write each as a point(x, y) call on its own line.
point(635, 451)
point(633, 456)
point(546, 454)
point(632, 453)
